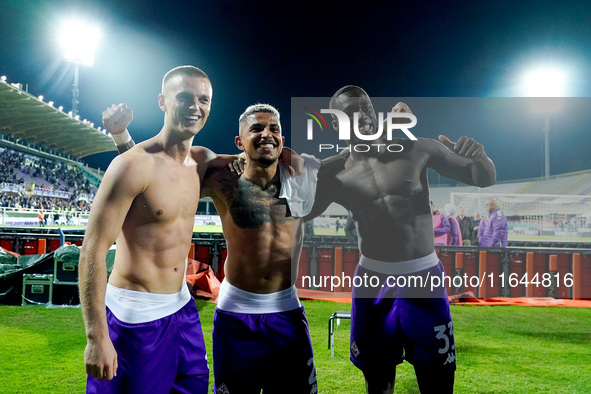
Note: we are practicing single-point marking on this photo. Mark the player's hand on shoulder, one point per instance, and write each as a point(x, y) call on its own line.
point(117, 118)
point(237, 166)
point(465, 146)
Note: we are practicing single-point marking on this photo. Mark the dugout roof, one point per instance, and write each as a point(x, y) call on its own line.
point(23, 116)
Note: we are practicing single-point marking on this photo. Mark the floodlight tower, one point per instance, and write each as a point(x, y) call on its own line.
point(78, 40)
point(544, 83)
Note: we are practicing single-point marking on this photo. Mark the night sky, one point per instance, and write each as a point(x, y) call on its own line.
point(263, 51)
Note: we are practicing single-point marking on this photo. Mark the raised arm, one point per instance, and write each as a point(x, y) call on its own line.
point(118, 188)
point(116, 119)
point(464, 161)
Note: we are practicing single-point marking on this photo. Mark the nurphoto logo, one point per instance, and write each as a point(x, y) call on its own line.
point(344, 130)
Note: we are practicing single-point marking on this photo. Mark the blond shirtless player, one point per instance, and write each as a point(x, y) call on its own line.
point(148, 338)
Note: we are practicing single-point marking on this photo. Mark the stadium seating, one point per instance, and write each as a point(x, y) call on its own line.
point(30, 182)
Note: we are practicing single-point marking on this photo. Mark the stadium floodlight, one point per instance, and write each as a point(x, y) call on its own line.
point(544, 82)
point(545, 85)
point(78, 40)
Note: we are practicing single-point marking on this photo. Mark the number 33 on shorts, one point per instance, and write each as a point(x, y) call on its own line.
point(445, 333)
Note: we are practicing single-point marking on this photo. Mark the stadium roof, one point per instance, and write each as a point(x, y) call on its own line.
point(23, 116)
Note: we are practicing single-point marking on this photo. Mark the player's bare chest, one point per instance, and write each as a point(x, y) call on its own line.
point(171, 194)
point(369, 179)
point(253, 206)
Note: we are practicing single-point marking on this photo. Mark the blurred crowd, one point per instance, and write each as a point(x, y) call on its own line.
point(10, 161)
point(26, 203)
point(39, 173)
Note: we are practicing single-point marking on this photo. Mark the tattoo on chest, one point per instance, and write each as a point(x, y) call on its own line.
point(252, 206)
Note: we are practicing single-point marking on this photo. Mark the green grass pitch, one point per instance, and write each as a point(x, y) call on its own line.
point(500, 349)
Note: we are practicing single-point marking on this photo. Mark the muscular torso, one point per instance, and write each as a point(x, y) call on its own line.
point(262, 238)
point(153, 245)
point(388, 197)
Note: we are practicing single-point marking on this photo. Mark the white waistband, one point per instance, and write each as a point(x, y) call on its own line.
point(400, 267)
point(134, 307)
point(233, 299)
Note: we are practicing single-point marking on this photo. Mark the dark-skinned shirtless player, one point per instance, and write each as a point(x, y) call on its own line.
point(387, 194)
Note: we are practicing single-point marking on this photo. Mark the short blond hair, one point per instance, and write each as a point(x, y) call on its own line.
point(190, 71)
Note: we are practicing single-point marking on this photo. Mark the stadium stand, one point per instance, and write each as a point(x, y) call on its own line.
point(25, 169)
point(41, 147)
point(57, 191)
point(30, 122)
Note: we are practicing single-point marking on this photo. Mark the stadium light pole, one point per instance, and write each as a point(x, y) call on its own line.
point(78, 41)
point(546, 84)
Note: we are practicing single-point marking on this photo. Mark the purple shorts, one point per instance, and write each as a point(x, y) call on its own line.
point(389, 328)
point(268, 351)
point(161, 356)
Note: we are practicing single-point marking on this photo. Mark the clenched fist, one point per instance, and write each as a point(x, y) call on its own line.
point(116, 118)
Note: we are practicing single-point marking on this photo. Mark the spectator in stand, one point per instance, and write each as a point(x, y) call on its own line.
point(441, 226)
point(455, 238)
point(494, 231)
point(41, 218)
point(465, 226)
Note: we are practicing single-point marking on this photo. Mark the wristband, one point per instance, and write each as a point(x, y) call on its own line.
point(121, 139)
point(125, 147)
